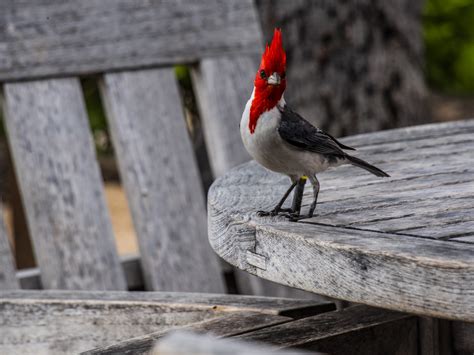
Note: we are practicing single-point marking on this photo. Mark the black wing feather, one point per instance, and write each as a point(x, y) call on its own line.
point(298, 132)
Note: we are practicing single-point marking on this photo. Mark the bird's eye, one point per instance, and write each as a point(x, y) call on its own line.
point(283, 75)
point(263, 75)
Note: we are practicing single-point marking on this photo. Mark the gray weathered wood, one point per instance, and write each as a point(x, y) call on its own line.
point(30, 279)
point(184, 343)
point(264, 305)
point(7, 268)
point(391, 243)
point(61, 185)
point(57, 322)
point(57, 37)
point(223, 326)
point(354, 330)
point(162, 181)
point(222, 87)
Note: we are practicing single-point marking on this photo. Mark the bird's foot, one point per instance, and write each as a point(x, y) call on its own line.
point(295, 217)
point(274, 212)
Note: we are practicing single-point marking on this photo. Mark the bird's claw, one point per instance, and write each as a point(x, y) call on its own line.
point(274, 212)
point(265, 213)
point(294, 217)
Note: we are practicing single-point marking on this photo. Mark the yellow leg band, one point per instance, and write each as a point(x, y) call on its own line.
point(304, 177)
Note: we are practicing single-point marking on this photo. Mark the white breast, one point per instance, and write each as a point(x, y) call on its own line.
point(267, 147)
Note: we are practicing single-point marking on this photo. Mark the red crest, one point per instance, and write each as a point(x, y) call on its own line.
point(266, 95)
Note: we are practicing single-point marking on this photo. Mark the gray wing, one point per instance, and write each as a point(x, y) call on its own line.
point(298, 132)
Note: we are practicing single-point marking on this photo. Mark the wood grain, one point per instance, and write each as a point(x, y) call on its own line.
point(58, 322)
point(222, 87)
point(354, 330)
point(30, 279)
point(223, 326)
point(228, 303)
point(162, 180)
point(61, 185)
point(401, 243)
point(7, 269)
point(57, 38)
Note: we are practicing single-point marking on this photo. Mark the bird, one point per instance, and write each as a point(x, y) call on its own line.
point(282, 141)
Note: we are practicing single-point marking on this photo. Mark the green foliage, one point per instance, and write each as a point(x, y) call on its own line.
point(448, 29)
point(96, 114)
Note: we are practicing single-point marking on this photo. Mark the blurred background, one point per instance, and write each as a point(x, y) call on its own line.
point(353, 67)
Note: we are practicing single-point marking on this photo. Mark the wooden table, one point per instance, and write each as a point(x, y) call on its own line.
point(404, 243)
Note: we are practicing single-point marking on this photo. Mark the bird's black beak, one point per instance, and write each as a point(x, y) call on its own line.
point(274, 79)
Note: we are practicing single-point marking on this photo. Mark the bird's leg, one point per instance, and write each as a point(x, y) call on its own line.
point(278, 208)
point(316, 186)
point(298, 197)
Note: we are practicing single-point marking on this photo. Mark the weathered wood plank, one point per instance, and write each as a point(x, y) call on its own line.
point(465, 239)
point(30, 279)
point(162, 181)
point(61, 186)
point(72, 326)
point(184, 343)
point(7, 268)
point(228, 303)
point(222, 87)
point(345, 263)
point(57, 322)
point(57, 37)
point(224, 326)
point(408, 134)
point(354, 330)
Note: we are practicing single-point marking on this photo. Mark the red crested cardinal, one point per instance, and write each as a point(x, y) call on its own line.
point(282, 141)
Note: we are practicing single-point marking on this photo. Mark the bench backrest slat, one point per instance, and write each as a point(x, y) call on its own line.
point(61, 185)
point(67, 37)
point(162, 181)
point(223, 86)
point(7, 270)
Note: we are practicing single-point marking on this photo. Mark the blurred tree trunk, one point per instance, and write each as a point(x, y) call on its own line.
point(353, 65)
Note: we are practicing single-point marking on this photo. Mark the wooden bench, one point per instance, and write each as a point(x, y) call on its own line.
point(44, 48)
point(113, 322)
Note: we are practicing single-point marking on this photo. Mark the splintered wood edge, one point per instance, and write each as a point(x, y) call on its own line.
point(196, 301)
point(423, 276)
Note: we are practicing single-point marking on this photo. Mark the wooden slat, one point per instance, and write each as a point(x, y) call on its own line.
point(216, 302)
point(61, 37)
point(7, 268)
point(406, 134)
point(30, 279)
point(223, 326)
point(61, 185)
point(354, 330)
point(162, 181)
point(49, 322)
point(223, 86)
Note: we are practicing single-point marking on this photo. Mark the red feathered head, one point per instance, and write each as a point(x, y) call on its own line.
point(274, 57)
point(270, 81)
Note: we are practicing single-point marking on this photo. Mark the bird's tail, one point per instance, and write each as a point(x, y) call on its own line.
point(364, 165)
